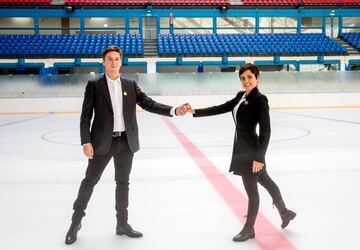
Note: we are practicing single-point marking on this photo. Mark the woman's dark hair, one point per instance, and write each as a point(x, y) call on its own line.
point(112, 48)
point(249, 66)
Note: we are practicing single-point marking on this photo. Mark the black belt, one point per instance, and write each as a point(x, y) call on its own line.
point(119, 134)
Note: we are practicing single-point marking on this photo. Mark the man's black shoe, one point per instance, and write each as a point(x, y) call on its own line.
point(71, 235)
point(127, 230)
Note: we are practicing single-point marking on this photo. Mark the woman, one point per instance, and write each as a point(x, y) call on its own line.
point(250, 108)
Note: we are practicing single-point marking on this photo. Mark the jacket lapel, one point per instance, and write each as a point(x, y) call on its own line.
point(105, 89)
point(248, 99)
point(252, 94)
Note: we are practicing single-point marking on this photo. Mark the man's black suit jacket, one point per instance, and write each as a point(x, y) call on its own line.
point(97, 103)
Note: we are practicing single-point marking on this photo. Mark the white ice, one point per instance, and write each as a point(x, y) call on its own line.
point(313, 156)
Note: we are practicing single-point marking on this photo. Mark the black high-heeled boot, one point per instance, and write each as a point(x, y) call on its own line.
point(248, 231)
point(245, 234)
point(286, 214)
point(71, 235)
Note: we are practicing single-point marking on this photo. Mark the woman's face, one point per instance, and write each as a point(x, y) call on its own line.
point(248, 81)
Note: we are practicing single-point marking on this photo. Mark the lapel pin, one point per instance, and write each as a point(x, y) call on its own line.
point(125, 93)
point(246, 102)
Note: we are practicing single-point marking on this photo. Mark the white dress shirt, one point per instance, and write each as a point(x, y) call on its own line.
point(116, 97)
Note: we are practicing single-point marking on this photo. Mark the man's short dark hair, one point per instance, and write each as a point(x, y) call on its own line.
point(112, 48)
point(249, 66)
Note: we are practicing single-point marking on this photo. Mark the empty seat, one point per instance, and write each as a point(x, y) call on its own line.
point(248, 44)
point(89, 45)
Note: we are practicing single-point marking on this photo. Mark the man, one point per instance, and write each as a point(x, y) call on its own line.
point(113, 134)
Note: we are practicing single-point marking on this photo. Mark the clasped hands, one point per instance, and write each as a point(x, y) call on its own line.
point(184, 109)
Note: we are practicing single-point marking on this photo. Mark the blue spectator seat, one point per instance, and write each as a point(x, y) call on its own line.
point(89, 45)
point(247, 45)
point(352, 38)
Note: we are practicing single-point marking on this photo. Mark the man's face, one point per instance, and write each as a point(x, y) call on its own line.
point(112, 62)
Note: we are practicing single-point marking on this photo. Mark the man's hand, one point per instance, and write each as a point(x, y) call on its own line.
point(182, 109)
point(88, 150)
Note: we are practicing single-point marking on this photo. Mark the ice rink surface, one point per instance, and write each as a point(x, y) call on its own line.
point(313, 156)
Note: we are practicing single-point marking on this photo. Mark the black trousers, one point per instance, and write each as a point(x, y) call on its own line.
point(251, 187)
point(123, 157)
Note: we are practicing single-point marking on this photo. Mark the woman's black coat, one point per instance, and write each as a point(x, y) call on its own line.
point(248, 145)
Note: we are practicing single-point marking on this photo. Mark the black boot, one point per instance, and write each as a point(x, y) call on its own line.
point(286, 214)
point(122, 226)
point(245, 234)
point(71, 235)
point(248, 231)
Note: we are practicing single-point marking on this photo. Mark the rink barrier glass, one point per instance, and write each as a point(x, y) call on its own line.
point(179, 84)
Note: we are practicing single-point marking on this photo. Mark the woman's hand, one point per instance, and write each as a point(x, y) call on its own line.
point(183, 109)
point(189, 108)
point(257, 166)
